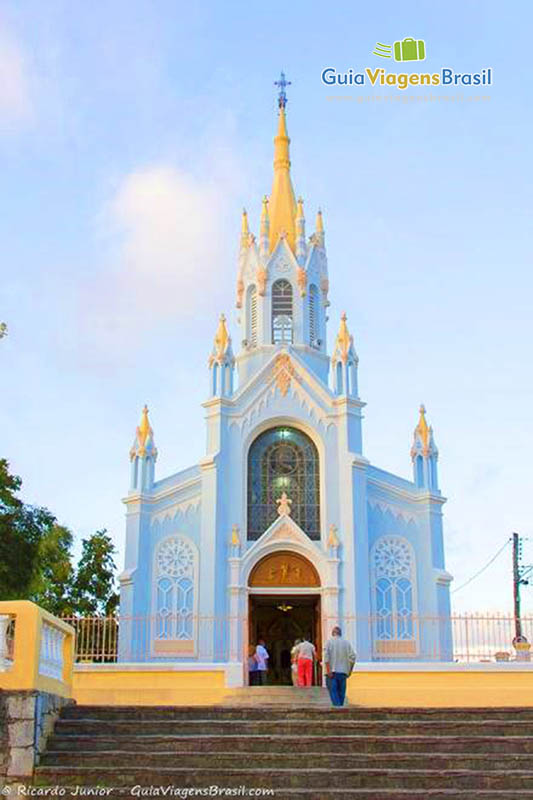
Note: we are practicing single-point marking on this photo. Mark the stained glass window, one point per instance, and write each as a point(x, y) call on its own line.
point(283, 460)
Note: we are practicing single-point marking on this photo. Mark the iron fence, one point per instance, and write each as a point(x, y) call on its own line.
point(465, 637)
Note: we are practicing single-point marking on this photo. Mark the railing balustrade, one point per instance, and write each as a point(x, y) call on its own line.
point(465, 637)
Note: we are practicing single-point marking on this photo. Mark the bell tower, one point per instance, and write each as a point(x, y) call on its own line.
point(282, 282)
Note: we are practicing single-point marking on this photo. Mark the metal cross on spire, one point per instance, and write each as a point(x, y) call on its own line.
point(282, 83)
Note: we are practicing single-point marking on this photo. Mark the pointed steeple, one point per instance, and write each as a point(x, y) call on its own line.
point(245, 233)
point(344, 361)
point(282, 199)
point(424, 454)
point(319, 237)
point(143, 444)
point(222, 340)
point(264, 229)
point(301, 249)
point(422, 430)
point(221, 362)
point(344, 349)
point(143, 455)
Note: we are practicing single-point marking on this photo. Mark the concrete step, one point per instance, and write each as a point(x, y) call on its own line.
point(332, 743)
point(286, 759)
point(120, 793)
point(330, 723)
point(282, 712)
point(280, 778)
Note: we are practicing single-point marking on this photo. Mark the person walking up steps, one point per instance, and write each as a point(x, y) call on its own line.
point(340, 661)
point(294, 662)
point(306, 655)
point(262, 656)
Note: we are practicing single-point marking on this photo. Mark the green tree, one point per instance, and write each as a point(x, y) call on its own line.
point(21, 529)
point(51, 586)
point(93, 590)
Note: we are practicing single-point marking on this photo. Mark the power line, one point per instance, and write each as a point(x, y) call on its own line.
point(477, 574)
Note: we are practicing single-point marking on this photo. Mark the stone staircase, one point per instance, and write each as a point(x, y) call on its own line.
point(299, 749)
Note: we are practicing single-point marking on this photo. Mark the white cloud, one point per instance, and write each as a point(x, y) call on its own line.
point(169, 228)
point(15, 95)
point(168, 255)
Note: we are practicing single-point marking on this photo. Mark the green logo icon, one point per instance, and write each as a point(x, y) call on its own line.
point(404, 50)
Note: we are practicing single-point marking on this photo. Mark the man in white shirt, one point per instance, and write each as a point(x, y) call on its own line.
point(340, 661)
point(261, 656)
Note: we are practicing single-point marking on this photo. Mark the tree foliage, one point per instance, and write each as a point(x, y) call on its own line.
point(93, 590)
point(22, 528)
point(36, 558)
point(51, 587)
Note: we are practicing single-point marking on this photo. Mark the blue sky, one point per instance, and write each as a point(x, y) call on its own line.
point(132, 134)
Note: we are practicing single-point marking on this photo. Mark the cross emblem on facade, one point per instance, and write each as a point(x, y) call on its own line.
point(282, 83)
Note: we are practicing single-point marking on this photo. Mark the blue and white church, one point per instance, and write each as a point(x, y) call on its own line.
point(283, 528)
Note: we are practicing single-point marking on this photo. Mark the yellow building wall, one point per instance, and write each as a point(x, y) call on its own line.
point(365, 688)
point(446, 689)
point(148, 688)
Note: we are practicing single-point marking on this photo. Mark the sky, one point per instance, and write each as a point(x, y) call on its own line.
point(131, 136)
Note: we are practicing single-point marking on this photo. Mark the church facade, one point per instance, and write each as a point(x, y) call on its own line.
point(284, 528)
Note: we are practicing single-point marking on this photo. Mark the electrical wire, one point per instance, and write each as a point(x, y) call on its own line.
point(477, 574)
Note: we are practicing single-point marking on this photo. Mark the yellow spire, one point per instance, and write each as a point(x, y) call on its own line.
point(300, 209)
point(264, 208)
point(344, 340)
point(319, 222)
point(282, 205)
point(144, 438)
point(221, 337)
point(245, 233)
point(422, 428)
point(144, 428)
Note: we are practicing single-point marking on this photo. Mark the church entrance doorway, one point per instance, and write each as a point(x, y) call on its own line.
point(280, 620)
point(284, 605)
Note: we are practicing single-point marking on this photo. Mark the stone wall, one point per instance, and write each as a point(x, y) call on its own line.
point(26, 720)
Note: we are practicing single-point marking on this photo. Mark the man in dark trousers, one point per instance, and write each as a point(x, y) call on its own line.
point(340, 661)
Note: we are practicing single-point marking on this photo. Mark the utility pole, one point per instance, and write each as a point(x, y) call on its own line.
point(516, 587)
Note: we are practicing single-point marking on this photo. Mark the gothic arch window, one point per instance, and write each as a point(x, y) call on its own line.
point(176, 575)
point(394, 587)
point(281, 460)
point(282, 321)
point(251, 333)
point(313, 315)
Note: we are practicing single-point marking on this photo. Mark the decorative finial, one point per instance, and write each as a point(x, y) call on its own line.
point(319, 222)
point(222, 338)
point(344, 340)
point(282, 84)
point(284, 505)
point(143, 443)
point(422, 428)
